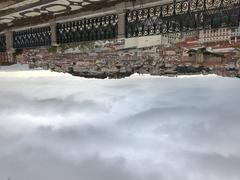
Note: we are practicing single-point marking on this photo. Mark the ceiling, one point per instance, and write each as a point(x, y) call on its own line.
point(11, 11)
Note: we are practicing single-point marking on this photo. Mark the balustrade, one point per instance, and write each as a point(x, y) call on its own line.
point(92, 29)
point(182, 16)
point(174, 17)
point(2, 43)
point(32, 37)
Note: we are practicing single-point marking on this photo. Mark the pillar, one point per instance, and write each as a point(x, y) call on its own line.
point(199, 57)
point(121, 11)
point(9, 45)
point(9, 40)
point(53, 34)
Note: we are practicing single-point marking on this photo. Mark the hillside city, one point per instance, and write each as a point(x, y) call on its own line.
point(203, 51)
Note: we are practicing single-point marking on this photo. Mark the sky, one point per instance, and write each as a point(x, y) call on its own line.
point(54, 126)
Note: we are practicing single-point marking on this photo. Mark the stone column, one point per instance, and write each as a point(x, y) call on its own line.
point(9, 40)
point(9, 45)
point(121, 11)
point(53, 33)
point(199, 57)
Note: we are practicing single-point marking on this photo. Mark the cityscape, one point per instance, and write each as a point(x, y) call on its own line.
point(150, 40)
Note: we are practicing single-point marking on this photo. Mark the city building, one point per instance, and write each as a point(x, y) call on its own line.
point(235, 34)
point(149, 41)
point(214, 35)
point(189, 35)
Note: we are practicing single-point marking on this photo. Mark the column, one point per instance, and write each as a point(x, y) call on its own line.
point(53, 34)
point(121, 11)
point(9, 45)
point(9, 40)
point(199, 57)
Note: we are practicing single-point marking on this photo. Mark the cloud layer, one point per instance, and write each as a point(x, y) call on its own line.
point(57, 127)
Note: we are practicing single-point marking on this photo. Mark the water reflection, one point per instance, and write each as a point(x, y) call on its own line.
point(55, 126)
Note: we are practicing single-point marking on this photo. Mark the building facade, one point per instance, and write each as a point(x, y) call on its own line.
point(235, 34)
point(215, 35)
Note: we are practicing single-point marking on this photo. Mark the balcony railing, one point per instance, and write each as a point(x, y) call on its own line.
point(32, 37)
point(182, 16)
point(2, 43)
point(98, 28)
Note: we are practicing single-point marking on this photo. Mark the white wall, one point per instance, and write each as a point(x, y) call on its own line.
point(147, 41)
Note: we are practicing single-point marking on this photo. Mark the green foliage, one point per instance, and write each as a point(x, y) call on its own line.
point(52, 49)
point(82, 46)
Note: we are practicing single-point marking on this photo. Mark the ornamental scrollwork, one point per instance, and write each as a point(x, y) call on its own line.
point(181, 16)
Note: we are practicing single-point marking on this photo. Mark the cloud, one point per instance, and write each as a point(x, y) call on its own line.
point(55, 126)
point(40, 164)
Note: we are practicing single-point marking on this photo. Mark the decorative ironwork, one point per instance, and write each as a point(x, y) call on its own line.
point(182, 16)
point(2, 43)
point(32, 37)
point(92, 29)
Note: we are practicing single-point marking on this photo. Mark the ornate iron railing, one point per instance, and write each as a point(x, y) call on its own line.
point(32, 37)
point(92, 29)
point(2, 43)
point(182, 16)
